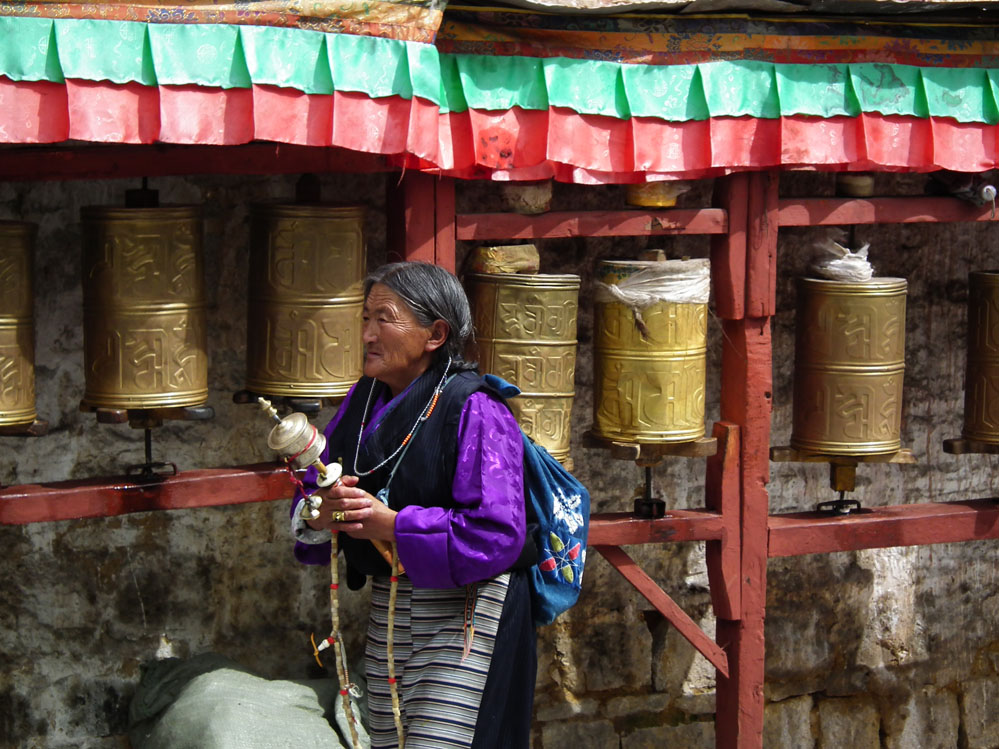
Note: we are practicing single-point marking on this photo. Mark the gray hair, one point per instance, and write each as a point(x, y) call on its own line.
point(431, 293)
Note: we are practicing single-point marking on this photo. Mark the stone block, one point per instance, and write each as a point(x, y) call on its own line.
point(978, 713)
point(701, 703)
point(788, 724)
point(849, 721)
point(930, 719)
point(594, 734)
point(547, 709)
point(697, 735)
point(619, 707)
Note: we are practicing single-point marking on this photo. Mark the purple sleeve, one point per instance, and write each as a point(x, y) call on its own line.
point(318, 553)
point(483, 535)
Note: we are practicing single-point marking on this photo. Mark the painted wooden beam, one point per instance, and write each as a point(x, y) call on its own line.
point(106, 497)
point(124, 161)
point(838, 211)
point(626, 223)
point(880, 527)
point(666, 606)
point(624, 528)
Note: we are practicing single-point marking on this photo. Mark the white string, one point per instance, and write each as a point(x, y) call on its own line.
point(681, 281)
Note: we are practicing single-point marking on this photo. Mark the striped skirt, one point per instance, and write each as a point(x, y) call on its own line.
point(440, 686)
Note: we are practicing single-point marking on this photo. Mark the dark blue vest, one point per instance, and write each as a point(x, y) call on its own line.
point(426, 471)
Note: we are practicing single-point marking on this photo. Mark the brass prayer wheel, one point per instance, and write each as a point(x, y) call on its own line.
point(649, 371)
point(848, 366)
point(526, 331)
point(307, 265)
point(981, 381)
point(17, 338)
point(143, 307)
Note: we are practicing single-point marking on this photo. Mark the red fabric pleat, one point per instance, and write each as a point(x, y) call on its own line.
point(897, 142)
point(812, 141)
point(963, 147)
point(388, 125)
point(33, 112)
point(285, 115)
point(105, 112)
point(590, 141)
point(510, 139)
point(507, 145)
point(665, 147)
point(211, 116)
point(744, 142)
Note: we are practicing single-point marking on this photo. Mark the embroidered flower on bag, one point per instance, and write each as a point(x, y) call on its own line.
point(563, 558)
point(566, 509)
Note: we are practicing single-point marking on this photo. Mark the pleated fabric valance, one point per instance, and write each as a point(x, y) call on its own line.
point(588, 101)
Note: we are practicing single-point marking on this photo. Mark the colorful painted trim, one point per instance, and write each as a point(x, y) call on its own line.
point(415, 20)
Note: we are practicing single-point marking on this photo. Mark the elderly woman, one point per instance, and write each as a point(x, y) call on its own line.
point(433, 461)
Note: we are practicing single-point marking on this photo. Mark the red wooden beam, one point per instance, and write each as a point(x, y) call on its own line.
point(721, 494)
point(761, 236)
point(837, 211)
point(124, 161)
point(627, 223)
point(746, 392)
point(104, 497)
point(623, 528)
point(728, 251)
point(879, 527)
point(666, 606)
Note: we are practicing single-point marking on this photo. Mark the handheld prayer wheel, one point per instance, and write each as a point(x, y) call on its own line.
point(526, 331)
point(307, 265)
point(649, 361)
point(144, 307)
point(848, 366)
point(981, 381)
point(17, 339)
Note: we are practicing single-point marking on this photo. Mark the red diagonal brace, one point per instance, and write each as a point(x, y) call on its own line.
point(666, 606)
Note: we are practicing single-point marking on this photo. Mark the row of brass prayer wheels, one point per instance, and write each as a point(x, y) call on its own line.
point(145, 333)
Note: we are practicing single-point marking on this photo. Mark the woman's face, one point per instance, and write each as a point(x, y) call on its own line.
point(397, 349)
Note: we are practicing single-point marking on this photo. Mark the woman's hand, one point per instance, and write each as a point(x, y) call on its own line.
point(363, 516)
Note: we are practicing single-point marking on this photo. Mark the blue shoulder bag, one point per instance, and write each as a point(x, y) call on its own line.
point(558, 510)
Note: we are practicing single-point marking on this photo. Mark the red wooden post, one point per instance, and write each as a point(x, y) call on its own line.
point(421, 219)
point(746, 402)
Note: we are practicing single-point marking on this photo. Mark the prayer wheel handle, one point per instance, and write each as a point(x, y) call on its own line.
point(300, 444)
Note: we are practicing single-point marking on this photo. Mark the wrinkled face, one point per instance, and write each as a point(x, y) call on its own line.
point(397, 349)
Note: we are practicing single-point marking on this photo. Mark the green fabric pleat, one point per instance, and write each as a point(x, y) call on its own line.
point(495, 83)
point(203, 55)
point(961, 93)
point(99, 51)
point(28, 50)
point(889, 89)
point(744, 88)
point(314, 62)
point(817, 90)
point(289, 58)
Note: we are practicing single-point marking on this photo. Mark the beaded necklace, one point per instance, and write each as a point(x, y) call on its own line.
point(424, 415)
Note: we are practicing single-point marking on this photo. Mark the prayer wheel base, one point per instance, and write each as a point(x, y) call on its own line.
point(308, 406)
point(793, 455)
point(649, 509)
point(963, 446)
point(36, 428)
point(145, 418)
point(652, 453)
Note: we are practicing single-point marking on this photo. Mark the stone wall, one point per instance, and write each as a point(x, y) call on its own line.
point(887, 648)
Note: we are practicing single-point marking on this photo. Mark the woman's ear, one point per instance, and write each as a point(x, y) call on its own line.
point(438, 335)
